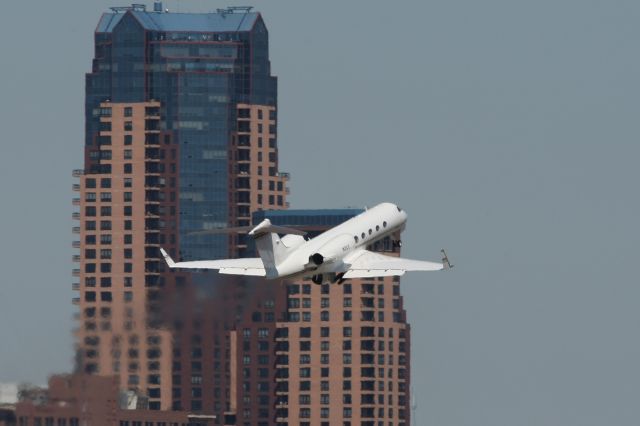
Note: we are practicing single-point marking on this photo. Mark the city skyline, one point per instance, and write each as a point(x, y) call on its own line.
point(523, 126)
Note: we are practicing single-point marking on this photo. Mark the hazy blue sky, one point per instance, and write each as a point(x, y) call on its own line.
point(507, 129)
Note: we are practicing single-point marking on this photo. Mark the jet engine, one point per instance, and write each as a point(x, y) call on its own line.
point(332, 250)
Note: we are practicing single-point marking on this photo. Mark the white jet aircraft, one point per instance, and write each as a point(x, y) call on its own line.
point(333, 256)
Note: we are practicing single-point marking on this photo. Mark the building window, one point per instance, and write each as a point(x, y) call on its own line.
point(305, 399)
point(128, 126)
point(128, 139)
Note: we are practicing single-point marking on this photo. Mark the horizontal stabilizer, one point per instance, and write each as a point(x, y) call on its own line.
point(264, 227)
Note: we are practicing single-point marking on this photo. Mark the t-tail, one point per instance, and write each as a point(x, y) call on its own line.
point(270, 247)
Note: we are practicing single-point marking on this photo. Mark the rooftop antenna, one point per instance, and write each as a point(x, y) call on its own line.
point(234, 9)
point(135, 6)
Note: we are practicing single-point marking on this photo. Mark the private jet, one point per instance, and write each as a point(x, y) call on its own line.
point(335, 255)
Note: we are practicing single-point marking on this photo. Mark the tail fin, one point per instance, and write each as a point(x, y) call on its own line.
point(271, 249)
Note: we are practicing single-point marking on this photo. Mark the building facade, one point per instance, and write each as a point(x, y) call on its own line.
point(81, 399)
point(342, 352)
point(181, 121)
point(181, 139)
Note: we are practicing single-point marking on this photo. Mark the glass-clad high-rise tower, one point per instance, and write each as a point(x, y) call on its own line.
point(180, 138)
point(208, 71)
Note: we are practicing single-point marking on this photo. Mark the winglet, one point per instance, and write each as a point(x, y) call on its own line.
point(168, 258)
point(445, 260)
point(262, 228)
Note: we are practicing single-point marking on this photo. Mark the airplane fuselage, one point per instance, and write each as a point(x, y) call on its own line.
point(326, 253)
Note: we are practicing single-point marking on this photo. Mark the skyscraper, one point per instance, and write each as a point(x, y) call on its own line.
point(181, 114)
point(181, 139)
point(342, 351)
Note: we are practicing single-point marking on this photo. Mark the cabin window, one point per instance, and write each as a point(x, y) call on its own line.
point(370, 231)
point(384, 224)
point(363, 235)
point(355, 237)
point(377, 228)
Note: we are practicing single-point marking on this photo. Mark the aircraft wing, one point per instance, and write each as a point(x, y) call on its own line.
point(245, 266)
point(364, 263)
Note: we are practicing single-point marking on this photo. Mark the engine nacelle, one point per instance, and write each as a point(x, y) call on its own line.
point(332, 250)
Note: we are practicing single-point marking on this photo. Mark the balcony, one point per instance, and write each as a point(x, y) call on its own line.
point(152, 139)
point(75, 286)
point(152, 154)
point(284, 175)
point(75, 272)
point(75, 258)
point(77, 173)
point(75, 201)
point(75, 301)
point(152, 125)
point(367, 316)
point(75, 230)
point(75, 244)
point(153, 182)
point(152, 112)
point(75, 215)
point(75, 187)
